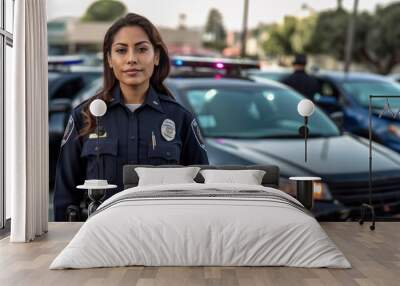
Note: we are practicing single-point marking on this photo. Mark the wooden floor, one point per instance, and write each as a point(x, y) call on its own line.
point(375, 257)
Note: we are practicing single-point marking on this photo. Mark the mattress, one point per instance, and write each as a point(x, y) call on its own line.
point(201, 225)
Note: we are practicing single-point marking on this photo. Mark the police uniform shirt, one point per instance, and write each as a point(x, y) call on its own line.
point(158, 132)
point(304, 83)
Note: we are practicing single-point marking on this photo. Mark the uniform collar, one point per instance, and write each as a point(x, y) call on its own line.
point(116, 97)
point(151, 98)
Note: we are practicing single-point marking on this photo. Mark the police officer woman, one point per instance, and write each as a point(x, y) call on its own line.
point(143, 123)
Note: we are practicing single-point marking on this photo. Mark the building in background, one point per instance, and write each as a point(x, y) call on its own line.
point(70, 36)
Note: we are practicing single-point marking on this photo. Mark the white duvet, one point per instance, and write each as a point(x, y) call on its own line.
point(207, 230)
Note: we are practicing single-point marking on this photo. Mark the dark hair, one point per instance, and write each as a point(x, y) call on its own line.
point(300, 59)
point(160, 72)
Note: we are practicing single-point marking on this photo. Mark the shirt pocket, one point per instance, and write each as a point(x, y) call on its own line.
point(108, 158)
point(164, 154)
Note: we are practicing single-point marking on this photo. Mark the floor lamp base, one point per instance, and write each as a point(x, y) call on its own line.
point(364, 209)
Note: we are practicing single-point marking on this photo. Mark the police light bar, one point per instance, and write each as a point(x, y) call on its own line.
point(213, 63)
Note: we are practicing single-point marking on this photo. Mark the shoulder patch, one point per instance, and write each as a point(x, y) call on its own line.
point(68, 130)
point(197, 133)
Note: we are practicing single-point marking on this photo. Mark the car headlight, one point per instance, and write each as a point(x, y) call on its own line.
point(394, 130)
point(321, 190)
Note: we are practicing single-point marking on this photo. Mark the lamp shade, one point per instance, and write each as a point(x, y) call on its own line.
point(98, 108)
point(305, 107)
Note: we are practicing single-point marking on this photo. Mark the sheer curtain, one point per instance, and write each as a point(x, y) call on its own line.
point(27, 124)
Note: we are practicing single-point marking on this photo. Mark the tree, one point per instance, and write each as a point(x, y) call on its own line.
point(382, 43)
point(104, 11)
point(376, 38)
point(215, 34)
point(329, 35)
point(292, 36)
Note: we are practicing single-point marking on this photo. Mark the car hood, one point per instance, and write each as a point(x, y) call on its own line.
point(344, 157)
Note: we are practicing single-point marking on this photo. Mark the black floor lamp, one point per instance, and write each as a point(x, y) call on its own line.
point(97, 187)
point(365, 207)
point(305, 108)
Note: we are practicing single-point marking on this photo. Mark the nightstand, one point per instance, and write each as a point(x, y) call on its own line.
point(305, 190)
point(96, 193)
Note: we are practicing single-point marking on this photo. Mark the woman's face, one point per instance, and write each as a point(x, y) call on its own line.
point(132, 56)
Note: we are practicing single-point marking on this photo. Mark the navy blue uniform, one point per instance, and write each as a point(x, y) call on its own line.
point(304, 83)
point(145, 136)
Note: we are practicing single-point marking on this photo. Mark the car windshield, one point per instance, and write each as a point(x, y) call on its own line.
point(254, 112)
point(361, 90)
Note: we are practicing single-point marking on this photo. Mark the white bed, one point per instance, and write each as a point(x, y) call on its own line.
point(222, 225)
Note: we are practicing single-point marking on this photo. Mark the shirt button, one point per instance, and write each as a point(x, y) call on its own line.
point(132, 137)
point(168, 153)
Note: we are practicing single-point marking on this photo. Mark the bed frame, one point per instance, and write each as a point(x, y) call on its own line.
point(270, 179)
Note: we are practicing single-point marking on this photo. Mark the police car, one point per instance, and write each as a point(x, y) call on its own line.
point(244, 122)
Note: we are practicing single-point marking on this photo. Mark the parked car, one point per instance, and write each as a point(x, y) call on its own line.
point(348, 95)
point(244, 122)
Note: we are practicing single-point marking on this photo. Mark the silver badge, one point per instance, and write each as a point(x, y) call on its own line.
point(168, 129)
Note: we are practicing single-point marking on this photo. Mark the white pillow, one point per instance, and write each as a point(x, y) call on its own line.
point(248, 177)
point(163, 176)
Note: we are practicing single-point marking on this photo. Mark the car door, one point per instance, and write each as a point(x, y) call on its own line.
point(329, 98)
